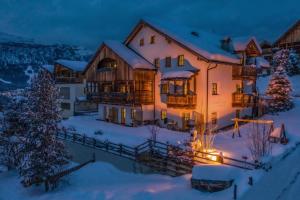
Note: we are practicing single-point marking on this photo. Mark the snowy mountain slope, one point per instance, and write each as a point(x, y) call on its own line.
point(20, 58)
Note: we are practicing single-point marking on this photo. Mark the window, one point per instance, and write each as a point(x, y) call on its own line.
point(163, 114)
point(64, 93)
point(152, 39)
point(180, 60)
point(214, 89)
point(168, 61)
point(65, 106)
point(238, 88)
point(133, 113)
point(142, 42)
point(185, 121)
point(123, 115)
point(164, 88)
point(214, 118)
point(157, 62)
point(122, 88)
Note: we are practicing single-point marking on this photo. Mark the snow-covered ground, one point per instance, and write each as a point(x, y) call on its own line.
point(236, 148)
point(102, 181)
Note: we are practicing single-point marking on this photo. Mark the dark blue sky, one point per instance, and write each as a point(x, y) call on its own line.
point(88, 22)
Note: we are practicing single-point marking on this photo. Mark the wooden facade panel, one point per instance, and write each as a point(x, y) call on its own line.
point(122, 71)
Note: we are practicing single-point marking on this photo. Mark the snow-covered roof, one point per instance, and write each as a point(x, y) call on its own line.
point(215, 172)
point(241, 43)
point(262, 62)
point(205, 44)
point(177, 74)
point(133, 59)
point(72, 64)
point(49, 68)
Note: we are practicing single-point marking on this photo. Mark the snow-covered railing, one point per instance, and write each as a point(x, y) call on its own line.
point(163, 154)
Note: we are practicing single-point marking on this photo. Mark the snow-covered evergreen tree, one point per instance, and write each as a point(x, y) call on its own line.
point(294, 63)
point(279, 91)
point(13, 130)
point(44, 155)
point(288, 59)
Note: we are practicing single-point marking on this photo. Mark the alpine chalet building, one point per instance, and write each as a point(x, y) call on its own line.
point(174, 75)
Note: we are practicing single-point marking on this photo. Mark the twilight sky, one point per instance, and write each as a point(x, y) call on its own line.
point(88, 22)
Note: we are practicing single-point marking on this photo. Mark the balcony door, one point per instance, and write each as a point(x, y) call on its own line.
point(123, 115)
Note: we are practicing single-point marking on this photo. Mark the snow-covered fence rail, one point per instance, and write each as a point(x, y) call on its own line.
point(166, 157)
point(113, 148)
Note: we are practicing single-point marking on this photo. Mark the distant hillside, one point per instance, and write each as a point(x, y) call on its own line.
point(20, 58)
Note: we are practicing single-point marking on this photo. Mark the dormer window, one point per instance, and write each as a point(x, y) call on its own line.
point(142, 42)
point(152, 39)
point(180, 60)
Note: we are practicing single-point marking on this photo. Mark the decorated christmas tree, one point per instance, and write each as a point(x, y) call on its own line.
point(44, 155)
point(288, 59)
point(279, 88)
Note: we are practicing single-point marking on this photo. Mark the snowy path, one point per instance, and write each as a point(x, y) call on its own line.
point(282, 182)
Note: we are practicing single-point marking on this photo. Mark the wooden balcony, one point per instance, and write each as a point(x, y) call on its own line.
point(242, 100)
point(243, 72)
point(120, 92)
point(68, 80)
point(181, 101)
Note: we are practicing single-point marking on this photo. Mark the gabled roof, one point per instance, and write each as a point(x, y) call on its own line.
point(290, 29)
point(128, 55)
point(241, 43)
point(205, 44)
point(77, 66)
point(49, 68)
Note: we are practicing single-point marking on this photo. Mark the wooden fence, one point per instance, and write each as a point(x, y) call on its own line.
point(163, 154)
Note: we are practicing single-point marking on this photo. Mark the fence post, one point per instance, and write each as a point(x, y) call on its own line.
point(106, 145)
point(135, 152)
point(235, 192)
point(250, 181)
point(94, 142)
point(65, 135)
point(74, 137)
point(121, 149)
point(83, 139)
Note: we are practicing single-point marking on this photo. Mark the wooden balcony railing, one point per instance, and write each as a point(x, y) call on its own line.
point(188, 101)
point(68, 80)
point(120, 92)
point(243, 72)
point(242, 100)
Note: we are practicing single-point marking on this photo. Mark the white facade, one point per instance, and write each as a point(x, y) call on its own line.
point(221, 104)
point(68, 95)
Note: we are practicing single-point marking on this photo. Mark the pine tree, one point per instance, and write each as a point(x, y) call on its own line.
point(294, 63)
point(13, 130)
point(288, 59)
point(44, 155)
point(279, 91)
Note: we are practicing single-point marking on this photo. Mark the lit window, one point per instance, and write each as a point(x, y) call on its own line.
point(142, 42)
point(168, 61)
point(163, 114)
point(156, 62)
point(164, 88)
point(123, 88)
point(152, 39)
point(180, 61)
point(214, 118)
point(238, 88)
point(133, 113)
point(214, 89)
